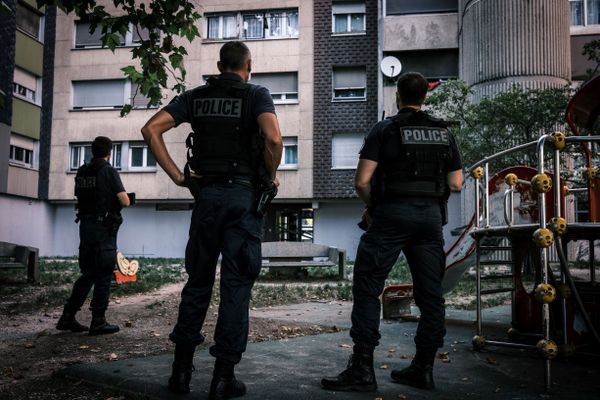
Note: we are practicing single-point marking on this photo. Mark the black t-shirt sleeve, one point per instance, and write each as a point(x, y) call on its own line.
point(371, 148)
point(455, 162)
point(179, 108)
point(262, 101)
point(114, 181)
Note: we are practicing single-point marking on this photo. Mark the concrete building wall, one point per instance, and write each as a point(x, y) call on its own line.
point(27, 222)
point(145, 232)
point(514, 41)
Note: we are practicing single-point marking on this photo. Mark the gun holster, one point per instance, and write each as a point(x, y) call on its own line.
point(267, 194)
point(192, 184)
point(113, 221)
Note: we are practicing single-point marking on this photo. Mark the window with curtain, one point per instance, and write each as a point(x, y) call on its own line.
point(254, 26)
point(222, 26)
point(593, 12)
point(282, 23)
point(282, 85)
point(349, 83)
point(29, 21)
point(81, 153)
point(344, 150)
point(585, 12)
point(576, 12)
point(289, 159)
point(348, 16)
point(108, 93)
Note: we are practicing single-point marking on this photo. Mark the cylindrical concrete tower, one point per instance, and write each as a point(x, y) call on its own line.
point(503, 42)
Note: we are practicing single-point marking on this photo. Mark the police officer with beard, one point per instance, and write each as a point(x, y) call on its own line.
point(408, 165)
point(235, 150)
point(100, 198)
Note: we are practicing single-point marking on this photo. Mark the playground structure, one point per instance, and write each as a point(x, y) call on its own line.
point(518, 236)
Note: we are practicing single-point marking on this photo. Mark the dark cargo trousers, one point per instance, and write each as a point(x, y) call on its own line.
point(415, 228)
point(224, 222)
point(97, 259)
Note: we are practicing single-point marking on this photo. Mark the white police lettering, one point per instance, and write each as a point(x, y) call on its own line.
point(227, 108)
point(424, 135)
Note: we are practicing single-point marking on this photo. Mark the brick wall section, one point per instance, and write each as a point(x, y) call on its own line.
point(339, 117)
point(47, 101)
point(8, 28)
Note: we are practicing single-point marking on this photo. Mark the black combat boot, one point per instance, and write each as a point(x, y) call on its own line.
point(419, 373)
point(99, 326)
point(183, 366)
point(359, 376)
point(224, 385)
point(67, 322)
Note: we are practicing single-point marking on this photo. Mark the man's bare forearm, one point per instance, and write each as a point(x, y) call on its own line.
point(272, 157)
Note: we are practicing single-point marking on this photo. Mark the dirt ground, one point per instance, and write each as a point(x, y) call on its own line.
point(31, 349)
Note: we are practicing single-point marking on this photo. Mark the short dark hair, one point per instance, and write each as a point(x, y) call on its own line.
point(233, 55)
point(412, 88)
point(101, 146)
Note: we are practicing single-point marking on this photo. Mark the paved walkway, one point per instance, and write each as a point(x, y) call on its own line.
point(292, 368)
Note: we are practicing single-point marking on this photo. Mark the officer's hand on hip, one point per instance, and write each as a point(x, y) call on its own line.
point(366, 216)
point(276, 182)
point(179, 180)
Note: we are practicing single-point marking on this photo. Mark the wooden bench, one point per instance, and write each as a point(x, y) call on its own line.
point(16, 256)
point(303, 254)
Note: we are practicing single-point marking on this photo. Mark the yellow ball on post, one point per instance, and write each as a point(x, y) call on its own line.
point(541, 183)
point(478, 342)
point(558, 225)
point(558, 138)
point(591, 173)
point(565, 190)
point(547, 348)
point(543, 237)
point(511, 179)
point(545, 293)
point(477, 173)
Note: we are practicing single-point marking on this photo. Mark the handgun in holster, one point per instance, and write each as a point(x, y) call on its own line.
point(113, 221)
point(267, 194)
point(190, 182)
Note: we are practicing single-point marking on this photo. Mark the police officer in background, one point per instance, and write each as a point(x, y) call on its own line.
point(413, 161)
point(236, 148)
point(100, 198)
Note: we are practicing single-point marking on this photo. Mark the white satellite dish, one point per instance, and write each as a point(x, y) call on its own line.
point(391, 66)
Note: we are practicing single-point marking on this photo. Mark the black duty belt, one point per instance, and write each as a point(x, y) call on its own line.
point(225, 180)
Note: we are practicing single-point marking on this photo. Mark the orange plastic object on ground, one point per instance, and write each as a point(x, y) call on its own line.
point(120, 278)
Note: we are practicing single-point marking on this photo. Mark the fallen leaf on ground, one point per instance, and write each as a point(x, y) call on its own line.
point(464, 379)
point(345, 345)
point(29, 345)
point(128, 324)
point(491, 360)
point(113, 356)
point(384, 366)
point(84, 346)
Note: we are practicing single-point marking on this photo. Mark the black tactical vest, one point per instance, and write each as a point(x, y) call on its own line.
point(224, 142)
point(423, 150)
point(90, 200)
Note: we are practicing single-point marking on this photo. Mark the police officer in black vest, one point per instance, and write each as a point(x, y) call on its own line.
point(100, 198)
point(235, 150)
point(408, 165)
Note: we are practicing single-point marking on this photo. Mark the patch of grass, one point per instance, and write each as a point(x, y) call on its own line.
point(57, 276)
point(263, 296)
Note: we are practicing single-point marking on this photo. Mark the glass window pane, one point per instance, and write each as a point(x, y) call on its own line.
point(292, 19)
point(139, 33)
point(213, 27)
point(253, 26)
point(19, 154)
point(340, 23)
point(137, 156)
point(291, 154)
point(74, 157)
point(229, 27)
point(150, 161)
point(357, 22)
point(87, 154)
point(28, 20)
point(577, 13)
point(116, 156)
point(593, 12)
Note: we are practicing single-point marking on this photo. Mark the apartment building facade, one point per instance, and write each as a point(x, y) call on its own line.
point(26, 81)
point(321, 61)
point(90, 91)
